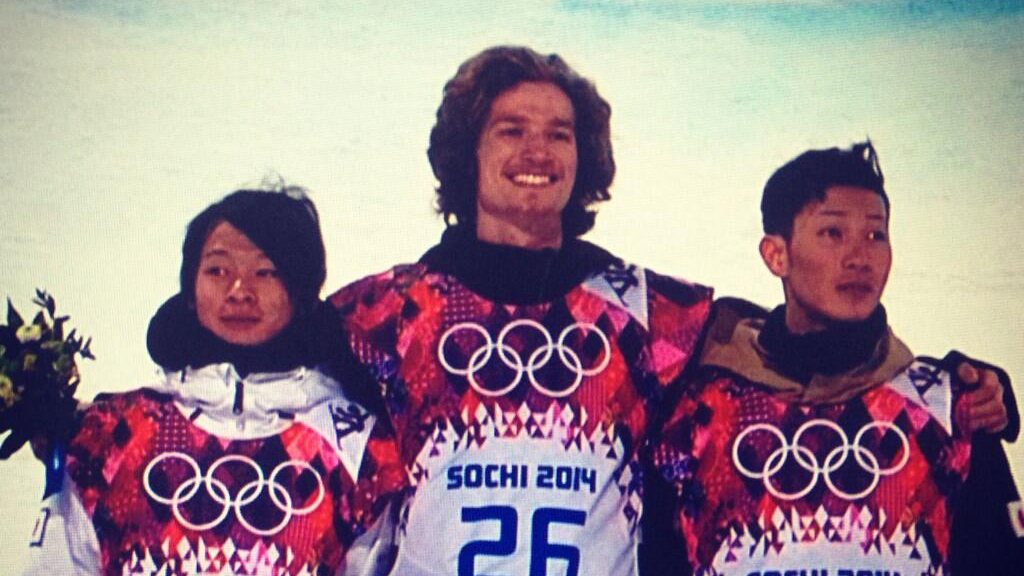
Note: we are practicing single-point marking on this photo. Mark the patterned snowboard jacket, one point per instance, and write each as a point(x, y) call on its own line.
point(209, 473)
point(520, 385)
point(868, 483)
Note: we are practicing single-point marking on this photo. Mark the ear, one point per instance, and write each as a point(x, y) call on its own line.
point(775, 255)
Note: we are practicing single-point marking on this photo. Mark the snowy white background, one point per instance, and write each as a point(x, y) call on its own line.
point(120, 120)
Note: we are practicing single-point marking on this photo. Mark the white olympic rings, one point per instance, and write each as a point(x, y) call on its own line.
point(809, 462)
point(511, 358)
point(219, 492)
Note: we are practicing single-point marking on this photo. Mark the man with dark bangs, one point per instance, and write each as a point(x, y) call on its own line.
point(810, 440)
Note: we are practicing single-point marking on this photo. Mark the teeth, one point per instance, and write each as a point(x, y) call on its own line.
point(532, 179)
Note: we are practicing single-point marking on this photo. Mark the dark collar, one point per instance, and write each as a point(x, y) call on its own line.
point(838, 348)
point(514, 275)
point(176, 339)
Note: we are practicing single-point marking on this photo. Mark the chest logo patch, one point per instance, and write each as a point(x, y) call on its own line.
point(832, 456)
point(625, 286)
point(348, 420)
point(929, 387)
point(218, 489)
point(523, 346)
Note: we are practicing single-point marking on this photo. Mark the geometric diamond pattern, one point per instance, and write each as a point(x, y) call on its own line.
point(465, 374)
point(197, 558)
point(773, 535)
point(141, 532)
point(768, 485)
point(559, 421)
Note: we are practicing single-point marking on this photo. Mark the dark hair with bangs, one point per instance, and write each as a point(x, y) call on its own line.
point(808, 177)
point(463, 112)
point(282, 222)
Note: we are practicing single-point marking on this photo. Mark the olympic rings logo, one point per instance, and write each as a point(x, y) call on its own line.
point(807, 460)
point(218, 491)
point(514, 361)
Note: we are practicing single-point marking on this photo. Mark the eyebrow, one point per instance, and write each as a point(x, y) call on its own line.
point(518, 119)
point(845, 213)
point(225, 253)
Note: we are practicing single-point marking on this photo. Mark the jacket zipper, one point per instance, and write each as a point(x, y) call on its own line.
point(237, 408)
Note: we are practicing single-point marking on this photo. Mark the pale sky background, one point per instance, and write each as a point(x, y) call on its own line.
point(120, 120)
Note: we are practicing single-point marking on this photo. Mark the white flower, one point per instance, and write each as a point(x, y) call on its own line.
point(29, 333)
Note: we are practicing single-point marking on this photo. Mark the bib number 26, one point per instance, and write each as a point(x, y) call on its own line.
point(542, 549)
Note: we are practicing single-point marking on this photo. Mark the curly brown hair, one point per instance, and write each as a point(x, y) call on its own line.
point(463, 112)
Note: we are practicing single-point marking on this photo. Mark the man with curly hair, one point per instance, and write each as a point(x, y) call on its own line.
point(520, 364)
point(522, 367)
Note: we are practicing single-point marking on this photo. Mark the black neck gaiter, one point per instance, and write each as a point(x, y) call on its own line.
point(838, 348)
point(514, 275)
point(176, 339)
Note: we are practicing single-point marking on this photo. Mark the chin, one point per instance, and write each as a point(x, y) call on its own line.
point(854, 314)
point(242, 339)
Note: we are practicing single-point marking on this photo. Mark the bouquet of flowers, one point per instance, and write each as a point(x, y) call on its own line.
point(38, 377)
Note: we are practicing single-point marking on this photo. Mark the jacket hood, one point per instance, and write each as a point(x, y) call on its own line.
point(733, 344)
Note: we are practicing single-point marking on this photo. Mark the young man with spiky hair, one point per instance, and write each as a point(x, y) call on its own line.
point(811, 440)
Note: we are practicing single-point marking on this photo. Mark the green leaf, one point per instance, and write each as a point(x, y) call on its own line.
point(86, 352)
point(58, 327)
point(14, 441)
point(14, 319)
point(44, 300)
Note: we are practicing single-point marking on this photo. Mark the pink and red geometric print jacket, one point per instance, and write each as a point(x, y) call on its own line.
point(209, 473)
point(521, 385)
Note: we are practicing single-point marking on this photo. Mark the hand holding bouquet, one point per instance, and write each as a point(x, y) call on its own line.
point(38, 377)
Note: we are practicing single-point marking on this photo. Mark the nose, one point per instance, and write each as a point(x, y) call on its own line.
point(535, 147)
point(858, 257)
point(240, 292)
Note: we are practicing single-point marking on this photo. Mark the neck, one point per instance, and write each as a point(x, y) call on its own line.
point(834, 348)
point(176, 339)
point(799, 321)
point(531, 232)
point(511, 274)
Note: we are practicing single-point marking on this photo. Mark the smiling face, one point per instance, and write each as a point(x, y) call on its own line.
point(526, 165)
point(836, 262)
point(239, 296)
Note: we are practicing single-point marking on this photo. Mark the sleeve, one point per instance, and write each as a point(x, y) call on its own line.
point(374, 552)
point(668, 479)
point(63, 540)
point(662, 549)
point(368, 311)
point(1012, 430)
point(677, 318)
point(379, 487)
point(988, 530)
